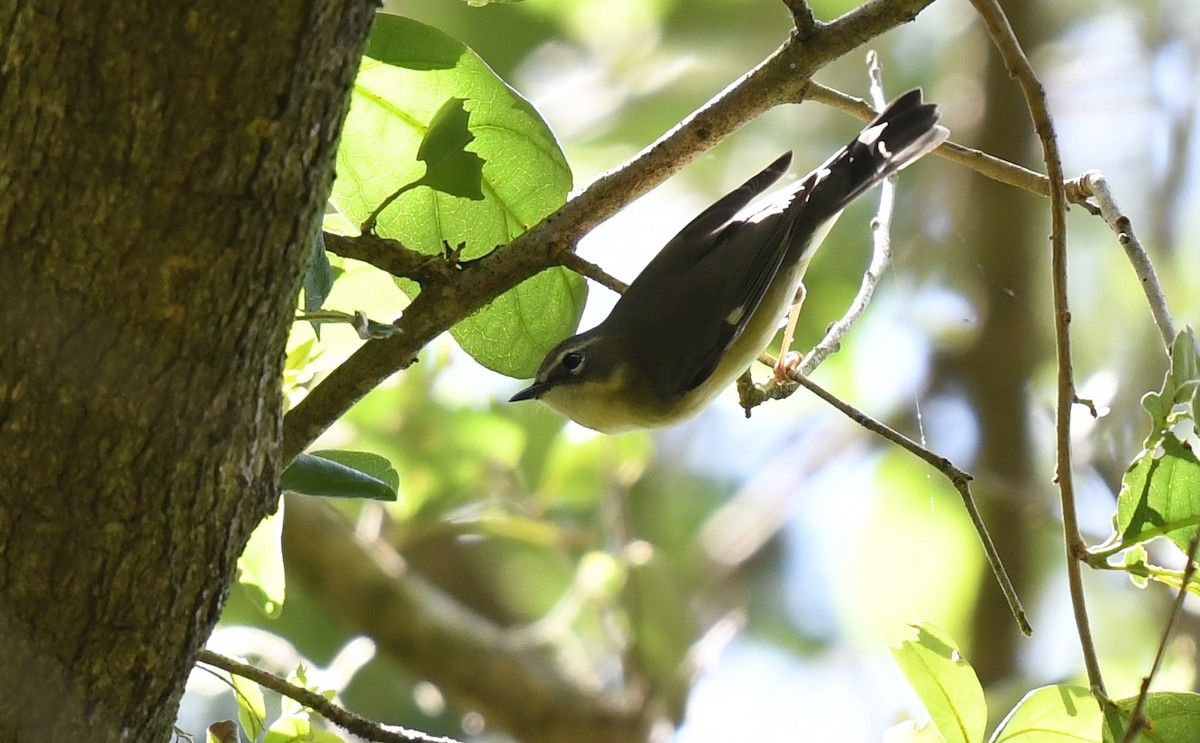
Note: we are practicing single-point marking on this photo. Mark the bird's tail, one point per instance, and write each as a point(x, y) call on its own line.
point(901, 134)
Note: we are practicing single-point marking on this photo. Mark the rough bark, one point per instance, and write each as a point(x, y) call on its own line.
point(162, 169)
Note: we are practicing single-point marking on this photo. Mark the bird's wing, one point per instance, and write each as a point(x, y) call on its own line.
point(712, 276)
point(789, 228)
point(697, 281)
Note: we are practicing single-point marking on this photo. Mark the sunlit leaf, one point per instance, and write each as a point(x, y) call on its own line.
point(260, 566)
point(367, 463)
point(1135, 563)
point(1172, 717)
point(298, 727)
point(410, 73)
point(1160, 495)
point(911, 731)
point(252, 707)
point(1052, 714)
point(945, 682)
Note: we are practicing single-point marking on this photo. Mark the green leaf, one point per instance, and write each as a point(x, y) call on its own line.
point(1160, 495)
point(292, 728)
point(223, 731)
point(1184, 377)
point(318, 282)
point(1174, 717)
point(1179, 387)
point(260, 566)
point(318, 473)
point(449, 167)
point(1135, 564)
point(402, 42)
point(946, 684)
point(252, 707)
point(411, 75)
point(374, 465)
point(1052, 714)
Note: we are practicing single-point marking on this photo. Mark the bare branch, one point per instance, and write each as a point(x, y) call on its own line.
point(1092, 183)
point(338, 715)
point(881, 255)
point(1035, 98)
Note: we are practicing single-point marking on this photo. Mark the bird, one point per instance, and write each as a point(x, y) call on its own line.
point(710, 302)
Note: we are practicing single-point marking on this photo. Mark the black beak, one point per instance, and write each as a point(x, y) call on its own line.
point(532, 392)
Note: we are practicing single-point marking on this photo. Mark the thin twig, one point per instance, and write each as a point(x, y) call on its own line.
point(1093, 184)
point(368, 225)
point(338, 715)
point(1137, 717)
point(881, 255)
point(958, 478)
point(584, 267)
point(1035, 98)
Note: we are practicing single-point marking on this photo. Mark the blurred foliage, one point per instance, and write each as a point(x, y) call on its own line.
point(638, 556)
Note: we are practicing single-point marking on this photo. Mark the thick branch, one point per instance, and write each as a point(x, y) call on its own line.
point(392, 256)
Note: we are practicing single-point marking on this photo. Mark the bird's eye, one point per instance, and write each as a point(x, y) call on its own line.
point(572, 361)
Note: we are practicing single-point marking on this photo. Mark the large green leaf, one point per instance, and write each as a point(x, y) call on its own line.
point(1052, 714)
point(946, 684)
point(410, 74)
point(1174, 717)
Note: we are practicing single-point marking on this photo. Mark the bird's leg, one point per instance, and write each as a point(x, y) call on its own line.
point(789, 360)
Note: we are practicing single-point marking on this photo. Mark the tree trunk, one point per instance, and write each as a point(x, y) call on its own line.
point(164, 168)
